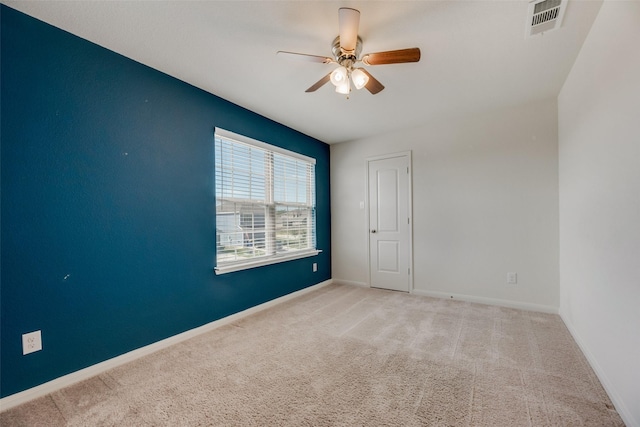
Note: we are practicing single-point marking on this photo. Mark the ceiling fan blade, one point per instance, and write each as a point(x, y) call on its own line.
point(304, 57)
point(392, 57)
point(373, 85)
point(349, 23)
point(317, 85)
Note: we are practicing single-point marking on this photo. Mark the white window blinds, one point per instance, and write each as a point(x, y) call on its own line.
point(265, 203)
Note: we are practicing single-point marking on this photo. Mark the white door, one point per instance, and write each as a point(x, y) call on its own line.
point(390, 222)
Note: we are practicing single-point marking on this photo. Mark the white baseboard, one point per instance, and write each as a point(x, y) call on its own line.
point(622, 409)
point(99, 368)
point(488, 301)
point(350, 282)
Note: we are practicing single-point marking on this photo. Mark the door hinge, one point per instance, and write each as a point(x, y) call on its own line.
point(407, 170)
point(408, 271)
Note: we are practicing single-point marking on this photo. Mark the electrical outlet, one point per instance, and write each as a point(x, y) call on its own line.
point(315, 267)
point(31, 342)
point(512, 278)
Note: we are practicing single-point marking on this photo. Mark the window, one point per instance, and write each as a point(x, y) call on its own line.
point(265, 203)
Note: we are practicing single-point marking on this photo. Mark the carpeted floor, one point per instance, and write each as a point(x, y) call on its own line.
point(345, 355)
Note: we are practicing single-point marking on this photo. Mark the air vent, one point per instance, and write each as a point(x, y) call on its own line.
point(544, 15)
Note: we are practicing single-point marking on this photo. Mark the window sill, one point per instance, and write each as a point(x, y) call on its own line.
point(272, 260)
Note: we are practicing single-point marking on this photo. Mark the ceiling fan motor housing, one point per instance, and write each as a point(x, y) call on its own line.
point(346, 58)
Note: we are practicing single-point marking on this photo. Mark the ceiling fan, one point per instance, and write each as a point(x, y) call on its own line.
point(346, 49)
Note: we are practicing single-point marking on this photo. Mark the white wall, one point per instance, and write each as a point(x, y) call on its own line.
point(485, 202)
point(599, 139)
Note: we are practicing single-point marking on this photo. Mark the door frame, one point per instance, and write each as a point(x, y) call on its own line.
point(409, 208)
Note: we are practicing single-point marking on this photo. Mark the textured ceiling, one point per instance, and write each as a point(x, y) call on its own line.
point(474, 54)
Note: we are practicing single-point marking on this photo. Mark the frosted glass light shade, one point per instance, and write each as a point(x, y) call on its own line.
point(339, 76)
point(344, 88)
point(360, 79)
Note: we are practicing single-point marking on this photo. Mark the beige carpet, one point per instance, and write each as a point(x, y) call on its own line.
point(345, 355)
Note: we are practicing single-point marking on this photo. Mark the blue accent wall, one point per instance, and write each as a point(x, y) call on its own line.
point(108, 209)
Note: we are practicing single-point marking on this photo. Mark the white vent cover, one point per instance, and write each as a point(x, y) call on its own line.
point(544, 15)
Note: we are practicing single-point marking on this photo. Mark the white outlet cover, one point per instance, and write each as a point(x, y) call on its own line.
point(512, 278)
point(31, 342)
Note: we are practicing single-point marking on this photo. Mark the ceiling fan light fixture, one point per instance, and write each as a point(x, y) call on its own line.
point(339, 76)
point(344, 88)
point(360, 79)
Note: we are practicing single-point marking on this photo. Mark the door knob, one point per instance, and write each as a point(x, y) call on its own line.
point(373, 231)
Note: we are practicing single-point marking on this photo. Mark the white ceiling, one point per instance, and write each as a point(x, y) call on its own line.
point(474, 54)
